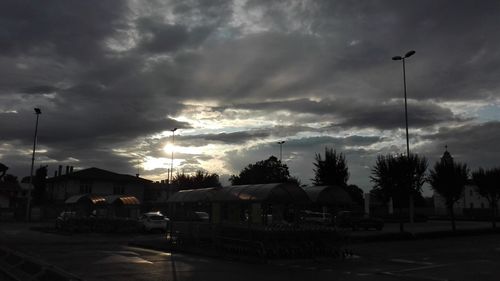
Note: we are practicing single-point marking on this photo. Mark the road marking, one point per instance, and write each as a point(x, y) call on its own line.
point(422, 267)
point(403, 276)
point(411, 262)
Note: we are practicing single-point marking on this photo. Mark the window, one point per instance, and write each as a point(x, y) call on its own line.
point(85, 187)
point(118, 189)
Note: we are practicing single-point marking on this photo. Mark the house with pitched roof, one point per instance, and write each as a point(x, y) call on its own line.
point(95, 181)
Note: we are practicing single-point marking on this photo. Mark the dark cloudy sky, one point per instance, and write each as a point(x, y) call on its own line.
point(114, 77)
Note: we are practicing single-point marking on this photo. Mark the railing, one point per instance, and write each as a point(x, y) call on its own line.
point(274, 241)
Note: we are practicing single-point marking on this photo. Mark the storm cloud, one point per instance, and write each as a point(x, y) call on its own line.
point(113, 78)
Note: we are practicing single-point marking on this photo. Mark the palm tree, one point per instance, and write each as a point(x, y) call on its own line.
point(488, 186)
point(399, 177)
point(448, 179)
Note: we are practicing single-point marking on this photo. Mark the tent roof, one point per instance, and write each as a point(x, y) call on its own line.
point(124, 200)
point(94, 199)
point(270, 193)
point(193, 195)
point(328, 195)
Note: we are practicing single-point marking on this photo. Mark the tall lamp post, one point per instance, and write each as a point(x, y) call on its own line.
point(172, 161)
point(403, 58)
point(37, 112)
point(281, 148)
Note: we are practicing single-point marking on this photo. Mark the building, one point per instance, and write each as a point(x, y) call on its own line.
point(471, 203)
point(94, 181)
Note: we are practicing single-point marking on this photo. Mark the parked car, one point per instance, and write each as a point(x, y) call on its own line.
point(201, 216)
point(348, 219)
point(63, 218)
point(316, 217)
point(154, 221)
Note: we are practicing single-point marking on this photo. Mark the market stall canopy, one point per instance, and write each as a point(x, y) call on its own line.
point(122, 200)
point(328, 195)
point(269, 193)
point(193, 195)
point(93, 199)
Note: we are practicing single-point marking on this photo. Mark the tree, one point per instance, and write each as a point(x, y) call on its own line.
point(265, 171)
point(488, 186)
point(448, 179)
point(399, 177)
point(3, 170)
point(332, 170)
point(200, 179)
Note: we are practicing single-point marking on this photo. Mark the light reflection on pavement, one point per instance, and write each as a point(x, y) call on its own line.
point(108, 257)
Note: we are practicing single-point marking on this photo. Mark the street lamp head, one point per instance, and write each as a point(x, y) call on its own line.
point(397, 58)
point(281, 142)
point(37, 110)
point(409, 54)
point(174, 129)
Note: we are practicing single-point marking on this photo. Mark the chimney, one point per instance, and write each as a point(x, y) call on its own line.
point(67, 170)
point(60, 170)
point(71, 169)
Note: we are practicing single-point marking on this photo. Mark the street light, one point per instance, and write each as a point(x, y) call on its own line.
point(407, 55)
point(281, 148)
point(172, 162)
point(37, 112)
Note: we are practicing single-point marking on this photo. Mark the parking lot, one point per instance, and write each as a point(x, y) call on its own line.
point(109, 257)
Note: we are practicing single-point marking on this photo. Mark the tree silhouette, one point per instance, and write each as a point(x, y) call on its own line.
point(265, 171)
point(398, 177)
point(488, 186)
point(448, 179)
point(200, 179)
point(332, 170)
point(3, 170)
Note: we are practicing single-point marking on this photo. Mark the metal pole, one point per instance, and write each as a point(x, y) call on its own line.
point(410, 203)
point(32, 165)
point(281, 149)
point(406, 111)
point(172, 161)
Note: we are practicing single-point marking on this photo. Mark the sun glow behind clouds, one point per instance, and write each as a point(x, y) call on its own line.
point(168, 148)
